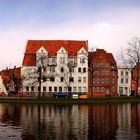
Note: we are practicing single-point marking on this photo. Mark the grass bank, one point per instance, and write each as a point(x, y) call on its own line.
point(45, 100)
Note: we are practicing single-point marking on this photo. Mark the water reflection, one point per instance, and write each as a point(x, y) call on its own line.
point(70, 122)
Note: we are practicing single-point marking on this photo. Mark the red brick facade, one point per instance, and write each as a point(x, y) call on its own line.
point(103, 74)
point(135, 77)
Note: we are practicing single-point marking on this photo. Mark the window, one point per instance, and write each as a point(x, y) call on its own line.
point(79, 79)
point(107, 72)
point(44, 69)
point(62, 60)
point(102, 80)
point(107, 65)
point(44, 88)
point(126, 81)
point(98, 81)
point(71, 69)
point(122, 80)
point(65, 89)
point(122, 73)
point(69, 89)
point(52, 69)
point(126, 73)
point(102, 72)
point(107, 81)
point(102, 89)
point(79, 89)
point(84, 70)
point(113, 73)
point(79, 69)
point(126, 90)
point(38, 88)
point(113, 89)
point(44, 78)
point(52, 79)
point(94, 80)
point(62, 69)
point(52, 60)
point(84, 79)
point(32, 88)
point(74, 89)
point(97, 73)
point(82, 60)
point(55, 89)
point(60, 89)
point(71, 79)
point(27, 88)
point(98, 89)
point(62, 79)
point(84, 89)
point(50, 89)
point(120, 90)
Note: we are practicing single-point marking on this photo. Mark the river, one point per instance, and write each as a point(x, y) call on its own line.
point(70, 122)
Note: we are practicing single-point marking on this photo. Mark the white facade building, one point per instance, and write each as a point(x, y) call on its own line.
point(2, 86)
point(124, 81)
point(65, 66)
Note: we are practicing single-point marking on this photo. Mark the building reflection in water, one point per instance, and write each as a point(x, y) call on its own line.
point(70, 122)
point(102, 121)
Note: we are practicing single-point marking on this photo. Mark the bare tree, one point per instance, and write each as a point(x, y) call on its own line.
point(39, 74)
point(131, 59)
point(66, 73)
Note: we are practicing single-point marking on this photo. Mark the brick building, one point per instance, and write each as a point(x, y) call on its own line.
point(102, 74)
point(135, 86)
point(11, 79)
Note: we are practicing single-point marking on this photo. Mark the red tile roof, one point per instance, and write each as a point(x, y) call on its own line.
point(52, 46)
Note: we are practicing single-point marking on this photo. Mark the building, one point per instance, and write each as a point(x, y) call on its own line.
point(2, 86)
point(102, 74)
point(124, 81)
point(11, 80)
point(135, 80)
point(61, 66)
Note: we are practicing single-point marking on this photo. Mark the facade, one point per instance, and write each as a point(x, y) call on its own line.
point(11, 79)
point(2, 86)
point(63, 66)
point(102, 74)
point(124, 81)
point(135, 86)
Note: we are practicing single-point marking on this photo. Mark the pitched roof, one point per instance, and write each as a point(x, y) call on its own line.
point(52, 46)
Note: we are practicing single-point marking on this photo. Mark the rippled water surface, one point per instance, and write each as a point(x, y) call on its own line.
point(70, 122)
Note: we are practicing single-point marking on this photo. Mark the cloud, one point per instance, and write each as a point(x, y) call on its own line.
point(110, 32)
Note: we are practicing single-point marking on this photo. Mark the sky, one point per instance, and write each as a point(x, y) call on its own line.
point(106, 24)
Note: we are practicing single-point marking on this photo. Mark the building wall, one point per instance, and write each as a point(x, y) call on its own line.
point(124, 81)
point(2, 87)
point(104, 78)
point(80, 79)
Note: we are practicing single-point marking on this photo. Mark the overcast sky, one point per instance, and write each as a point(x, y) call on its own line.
point(106, 24)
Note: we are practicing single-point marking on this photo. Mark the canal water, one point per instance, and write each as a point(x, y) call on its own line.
point(70, 122)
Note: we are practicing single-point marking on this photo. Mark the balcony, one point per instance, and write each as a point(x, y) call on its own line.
point(72, 64)
point(52, 61)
